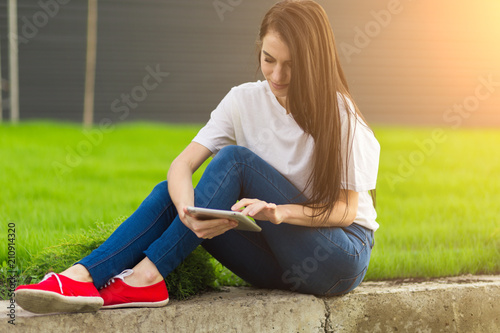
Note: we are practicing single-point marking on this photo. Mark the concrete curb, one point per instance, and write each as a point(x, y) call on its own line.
point(459, 304)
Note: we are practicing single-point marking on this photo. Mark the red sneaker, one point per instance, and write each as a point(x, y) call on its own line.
point(58, 293)
point(118, 294)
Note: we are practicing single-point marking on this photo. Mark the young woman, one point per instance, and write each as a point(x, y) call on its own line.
point(293, 149)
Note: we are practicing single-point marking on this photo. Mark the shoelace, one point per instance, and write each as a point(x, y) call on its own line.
point(49, 275)
point(120, 276)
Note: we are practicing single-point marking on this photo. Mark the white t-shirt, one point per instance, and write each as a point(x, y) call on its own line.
point(251, 116)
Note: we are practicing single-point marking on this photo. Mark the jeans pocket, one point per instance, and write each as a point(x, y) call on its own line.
point(343, 286)
point(344, 239)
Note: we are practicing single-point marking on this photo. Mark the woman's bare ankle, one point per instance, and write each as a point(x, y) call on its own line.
point(78, 273)
point(145, 274)
point(142, 278)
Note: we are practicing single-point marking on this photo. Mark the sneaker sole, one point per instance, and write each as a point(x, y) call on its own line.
point(42, 301)
point(137, 305)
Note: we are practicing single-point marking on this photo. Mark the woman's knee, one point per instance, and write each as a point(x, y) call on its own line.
point(228, 159)
point(161, 189)
point(234, 153)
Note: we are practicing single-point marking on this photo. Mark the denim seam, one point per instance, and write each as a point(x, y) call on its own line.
point(255, 244)
point(132, 240)
point(236, 165)
point(364, 241)
point(270, 182)
point(352, 279)
point(350, 254)
point(171, 247)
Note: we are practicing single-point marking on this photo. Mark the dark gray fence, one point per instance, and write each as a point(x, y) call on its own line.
point(417, 62)
point(156, 60)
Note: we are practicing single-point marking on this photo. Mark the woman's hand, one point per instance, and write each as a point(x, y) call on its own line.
point(206, 229)
point(259, 210)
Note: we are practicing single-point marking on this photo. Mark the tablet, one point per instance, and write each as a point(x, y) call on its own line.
point(244, 222)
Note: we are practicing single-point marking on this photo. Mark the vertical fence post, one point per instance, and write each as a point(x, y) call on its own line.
point(88, 100)
point(13, 63)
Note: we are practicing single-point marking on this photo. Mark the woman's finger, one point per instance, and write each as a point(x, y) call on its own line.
point(212, 228)
point(201, 225)
point(214, 232)
point(255, 208)
point(242, 203)
point(264, 211)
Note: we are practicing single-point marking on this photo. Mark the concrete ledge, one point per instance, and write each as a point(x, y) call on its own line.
point(459, 304)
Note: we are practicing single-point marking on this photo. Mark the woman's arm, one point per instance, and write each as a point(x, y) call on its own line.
point(300, 215)
point(179, 176)
point(180, 188)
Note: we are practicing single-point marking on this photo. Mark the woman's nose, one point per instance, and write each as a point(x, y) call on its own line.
point(279, 75)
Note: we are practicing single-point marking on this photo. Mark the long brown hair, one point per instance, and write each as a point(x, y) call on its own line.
point(317, 81)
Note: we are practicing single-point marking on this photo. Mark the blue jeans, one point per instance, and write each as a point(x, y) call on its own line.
point(320, 261)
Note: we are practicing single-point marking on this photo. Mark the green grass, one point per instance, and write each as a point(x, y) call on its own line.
point(438, 211)
point(441, 216)
point(108, 183)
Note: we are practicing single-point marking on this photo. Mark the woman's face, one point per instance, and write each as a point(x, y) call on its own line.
point(276, 65)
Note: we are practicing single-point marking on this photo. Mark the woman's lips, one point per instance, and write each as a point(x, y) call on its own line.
point(279, 86)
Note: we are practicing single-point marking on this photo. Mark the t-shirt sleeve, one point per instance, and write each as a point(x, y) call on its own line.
point(219, 131)
point(362, 153)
